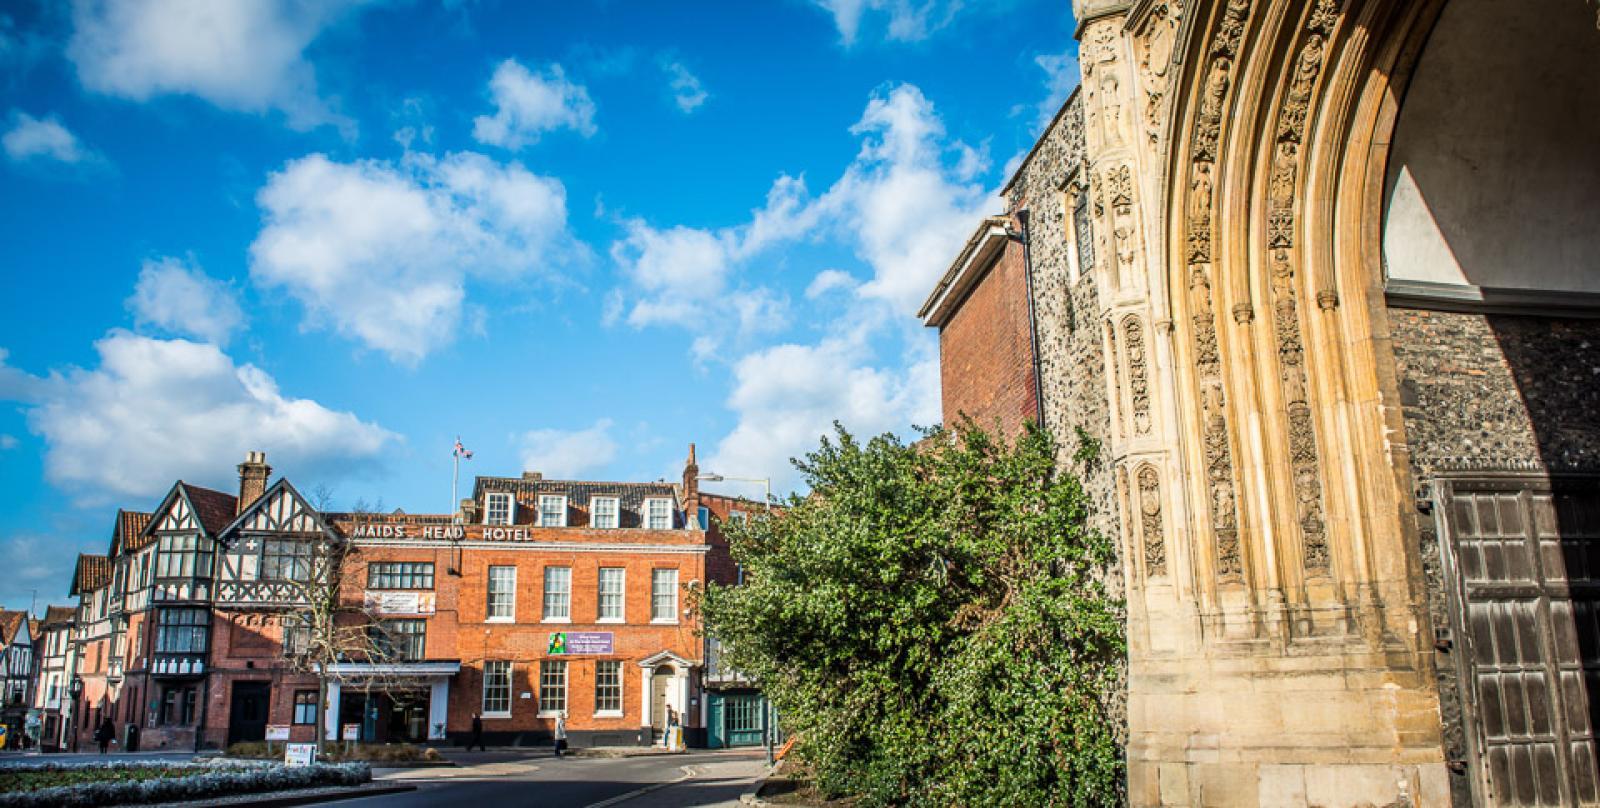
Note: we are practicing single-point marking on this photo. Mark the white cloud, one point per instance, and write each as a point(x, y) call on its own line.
point(158, 410)
point(686, 88)
point(681, 273)
point(529, 104)
point(243, 56)
point(383, 251)
point(8, 442)
point(908, 212)
point(906, 20)
point(183, 299)
point(1061, 78)
point(568, 455)
point(829, 280)
point(31, 138)
point(788, 396)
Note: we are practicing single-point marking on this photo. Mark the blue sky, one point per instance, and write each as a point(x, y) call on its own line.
point(580, 235)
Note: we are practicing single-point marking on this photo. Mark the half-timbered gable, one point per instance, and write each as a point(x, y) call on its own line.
point(274, 552)
point(132, 552)
point(183, 532)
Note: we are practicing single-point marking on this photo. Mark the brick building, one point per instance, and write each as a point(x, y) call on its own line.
point(988, 369)
point(536, 597)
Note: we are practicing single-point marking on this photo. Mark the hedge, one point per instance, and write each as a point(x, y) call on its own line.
point(210, 779)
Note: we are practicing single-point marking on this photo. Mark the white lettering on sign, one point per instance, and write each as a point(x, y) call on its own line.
point(505, 533)
point(440, 532)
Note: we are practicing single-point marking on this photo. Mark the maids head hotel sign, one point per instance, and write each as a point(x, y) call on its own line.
point(413, 532)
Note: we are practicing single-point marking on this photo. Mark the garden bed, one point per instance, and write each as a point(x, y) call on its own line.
point(378, 754)
point(89, 785)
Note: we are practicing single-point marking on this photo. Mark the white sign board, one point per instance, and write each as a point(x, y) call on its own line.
point(400, 603)
point(352, 732)
point(300, 754)
point(277, 732)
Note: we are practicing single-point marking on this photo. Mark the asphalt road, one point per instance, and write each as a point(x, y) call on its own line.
point(505, 779)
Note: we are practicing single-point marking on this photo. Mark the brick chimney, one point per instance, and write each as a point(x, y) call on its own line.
point(691, 485)
point(253, 474)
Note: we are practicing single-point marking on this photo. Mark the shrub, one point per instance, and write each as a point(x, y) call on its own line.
point(933, 623)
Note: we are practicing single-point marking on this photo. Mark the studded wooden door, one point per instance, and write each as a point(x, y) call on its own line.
point(1525, 568)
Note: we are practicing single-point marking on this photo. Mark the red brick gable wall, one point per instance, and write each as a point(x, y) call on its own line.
point(986, 352)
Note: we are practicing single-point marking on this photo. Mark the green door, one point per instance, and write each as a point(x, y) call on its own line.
point(714, 712)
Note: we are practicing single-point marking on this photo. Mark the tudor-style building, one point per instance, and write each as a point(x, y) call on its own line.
point(55, 673)
point(90, 654)
point(18, 661)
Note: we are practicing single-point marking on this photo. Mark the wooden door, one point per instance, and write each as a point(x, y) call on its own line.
point(1524, 565)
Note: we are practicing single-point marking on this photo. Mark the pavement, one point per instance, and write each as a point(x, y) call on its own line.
point(504, 778)
point(14, 758)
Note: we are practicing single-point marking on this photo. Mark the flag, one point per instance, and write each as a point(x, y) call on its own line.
point(462, 451)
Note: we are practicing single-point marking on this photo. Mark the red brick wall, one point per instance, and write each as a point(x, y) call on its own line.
point(985, 351)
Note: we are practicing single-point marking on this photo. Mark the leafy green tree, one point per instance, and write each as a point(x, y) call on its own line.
point(933, 622)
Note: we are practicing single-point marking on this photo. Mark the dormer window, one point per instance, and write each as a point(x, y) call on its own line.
point(552, 511)
point(658, 513)
point(603, 512)
point(499, 509)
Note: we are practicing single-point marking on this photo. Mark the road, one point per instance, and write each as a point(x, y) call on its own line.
point(506, 779)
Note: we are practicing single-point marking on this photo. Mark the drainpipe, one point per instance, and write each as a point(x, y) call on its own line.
point(1033, 323)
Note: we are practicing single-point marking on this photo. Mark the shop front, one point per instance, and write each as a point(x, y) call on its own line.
point(404, 702)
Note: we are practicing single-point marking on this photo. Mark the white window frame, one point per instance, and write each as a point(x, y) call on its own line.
point(655, 613)
point(489, 500)
point(622, 596)
point(553, 664)
point(616, 512)
point(546, 613)
point(649, 516)
point(562, 521)
point(736, 516)
point(483, 703)
point(615, 665)
point(488, 595)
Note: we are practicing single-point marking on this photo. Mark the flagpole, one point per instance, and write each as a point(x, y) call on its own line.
point(455, 480)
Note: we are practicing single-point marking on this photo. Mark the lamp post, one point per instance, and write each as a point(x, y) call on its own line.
point(75, 690)
point(766, 482)
point(768, 715)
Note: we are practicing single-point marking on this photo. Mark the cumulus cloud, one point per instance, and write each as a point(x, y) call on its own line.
point(686, 88)
point(561, 454)
point(528, 104)
point(157, 410)
point(680, 273)
point(904, 20)
point(1061, 78)
point(247, 57)
point(382, 252)
point(31, 138)
point(829, 280)
point(183, 299)
point(788, 396)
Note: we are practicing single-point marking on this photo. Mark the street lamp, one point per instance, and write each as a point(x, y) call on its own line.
point(75, 690)
point(768, 717)
point(765, 481)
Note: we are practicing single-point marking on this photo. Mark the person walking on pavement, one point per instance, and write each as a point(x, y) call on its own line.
point(477, 734)
point(104, 734)
point(561, 733)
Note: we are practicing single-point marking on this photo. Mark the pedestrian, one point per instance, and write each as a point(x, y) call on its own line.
point(104, 734)
point(477, 734)
point(561, 732)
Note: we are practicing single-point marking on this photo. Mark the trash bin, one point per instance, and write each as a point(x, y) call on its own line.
point(131, 743)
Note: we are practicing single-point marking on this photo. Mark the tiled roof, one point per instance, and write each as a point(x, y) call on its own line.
point(10, 622)
point(59, 616)
point(94, 571)
point(130, 524)
point(215, 509)
point(631, 496)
